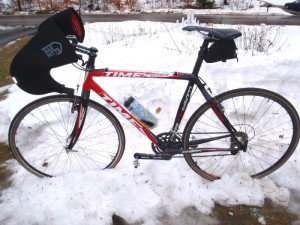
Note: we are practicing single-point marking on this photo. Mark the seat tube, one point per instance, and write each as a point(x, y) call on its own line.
point(183, 105)
point(200, 57)
point(214, 105)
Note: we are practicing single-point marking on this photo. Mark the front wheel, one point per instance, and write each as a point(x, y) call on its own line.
point(40, 132)
point(269, 121)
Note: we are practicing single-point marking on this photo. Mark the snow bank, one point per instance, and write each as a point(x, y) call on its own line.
point(156, 187)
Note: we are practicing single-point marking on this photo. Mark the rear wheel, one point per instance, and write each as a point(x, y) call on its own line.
point(39, 136)
point(267, 120)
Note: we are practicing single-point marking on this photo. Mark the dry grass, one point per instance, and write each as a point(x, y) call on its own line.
point(249, 215)
point(5, 154)
point(7, 52)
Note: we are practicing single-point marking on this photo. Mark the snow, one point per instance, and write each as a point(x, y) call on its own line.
point(156, 188)
point(255, 9)
point(235, 7)
point(262, 220)
point(6, 27)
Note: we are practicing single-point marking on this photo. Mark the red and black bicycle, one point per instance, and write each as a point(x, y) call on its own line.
point(246, 130)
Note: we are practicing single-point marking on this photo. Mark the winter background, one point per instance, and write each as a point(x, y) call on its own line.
point(157, 188)
point(234, 6)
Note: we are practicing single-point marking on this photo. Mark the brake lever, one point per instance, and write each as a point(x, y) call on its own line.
point(83, 63)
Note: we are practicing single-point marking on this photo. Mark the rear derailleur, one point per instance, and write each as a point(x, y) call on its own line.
point(239, 142)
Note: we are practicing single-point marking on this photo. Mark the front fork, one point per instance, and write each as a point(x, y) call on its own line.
point(82, 105)
point(81, 109)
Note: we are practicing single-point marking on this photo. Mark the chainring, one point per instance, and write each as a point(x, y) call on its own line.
point(165, 142)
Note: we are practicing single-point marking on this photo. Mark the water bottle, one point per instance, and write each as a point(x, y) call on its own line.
point(142, 114)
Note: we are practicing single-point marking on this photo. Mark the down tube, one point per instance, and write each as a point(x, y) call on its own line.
point(91, 84)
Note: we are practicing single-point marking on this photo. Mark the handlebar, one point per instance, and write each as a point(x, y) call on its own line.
point(88, 51)
point(92, 52)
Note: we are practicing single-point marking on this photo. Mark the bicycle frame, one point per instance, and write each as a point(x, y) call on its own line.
point(192, 78)
point(90, 84)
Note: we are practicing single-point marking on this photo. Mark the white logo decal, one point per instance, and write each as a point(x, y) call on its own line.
point(158, 75)
point(53, 49)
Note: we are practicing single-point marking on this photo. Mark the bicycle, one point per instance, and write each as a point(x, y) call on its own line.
point(247, 130)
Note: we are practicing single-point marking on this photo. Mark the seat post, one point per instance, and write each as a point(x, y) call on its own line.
point(200, 57)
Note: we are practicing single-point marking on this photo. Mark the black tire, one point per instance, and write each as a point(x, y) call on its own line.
point(38, 137)
point(270, 121)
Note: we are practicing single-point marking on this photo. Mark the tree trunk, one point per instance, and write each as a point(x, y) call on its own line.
point(80, 5)
point(19, 5)
point(104, 5)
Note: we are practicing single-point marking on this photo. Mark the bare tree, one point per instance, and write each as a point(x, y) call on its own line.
point(116, 3)
point(131, 4)
point(19, 5)
point(188, 2)
point(51, 4)
point(80, 5)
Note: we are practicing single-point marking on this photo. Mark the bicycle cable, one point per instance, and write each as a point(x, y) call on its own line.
point(80, 67)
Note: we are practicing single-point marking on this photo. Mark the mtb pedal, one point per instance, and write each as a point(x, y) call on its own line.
point(136, 163)
point(162, 156)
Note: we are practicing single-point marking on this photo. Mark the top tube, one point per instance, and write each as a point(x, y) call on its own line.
point(140, 74)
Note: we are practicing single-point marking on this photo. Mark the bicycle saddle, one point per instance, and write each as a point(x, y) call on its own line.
point(222, 34)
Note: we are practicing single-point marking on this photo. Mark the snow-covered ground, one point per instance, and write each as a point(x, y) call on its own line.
point(255, 7)
point(156, 188)
point(234, 7)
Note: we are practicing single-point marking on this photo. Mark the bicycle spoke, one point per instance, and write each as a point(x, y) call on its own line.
point(43, 134)
point(264, 118)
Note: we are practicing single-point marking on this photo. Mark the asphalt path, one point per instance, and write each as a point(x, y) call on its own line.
point(32, 21)
point(13, 34)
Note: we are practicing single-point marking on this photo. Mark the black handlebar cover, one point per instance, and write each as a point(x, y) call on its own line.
point(48, 49)
point(69, 22)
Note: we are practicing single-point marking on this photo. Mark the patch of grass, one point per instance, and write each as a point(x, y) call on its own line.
point(5, 152)
point(7, 52)
point(269, 213)
point(3, 95)
point(5, 175)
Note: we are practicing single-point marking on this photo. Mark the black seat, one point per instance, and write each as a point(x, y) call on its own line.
point(222, 34)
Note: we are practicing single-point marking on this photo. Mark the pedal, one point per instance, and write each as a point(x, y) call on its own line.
point(162, 156)
point(136, 163)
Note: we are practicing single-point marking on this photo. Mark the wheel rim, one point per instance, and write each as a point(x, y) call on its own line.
point(269, 139)
point(41, 140)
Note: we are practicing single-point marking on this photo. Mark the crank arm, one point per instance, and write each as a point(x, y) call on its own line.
point(163, 156)
point(204, 150)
